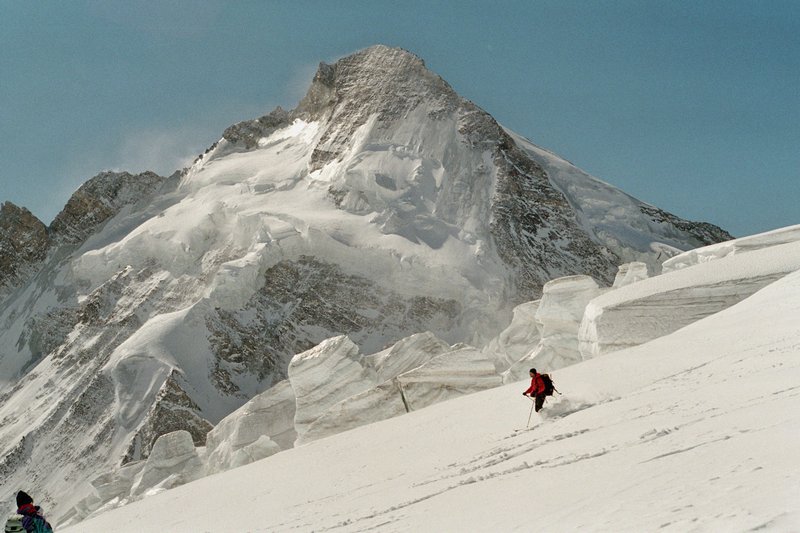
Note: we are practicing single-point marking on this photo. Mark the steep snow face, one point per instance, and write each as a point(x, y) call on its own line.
point(383, 206)
point(631, 229)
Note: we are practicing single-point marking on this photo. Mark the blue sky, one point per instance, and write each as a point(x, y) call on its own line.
point(691, 106)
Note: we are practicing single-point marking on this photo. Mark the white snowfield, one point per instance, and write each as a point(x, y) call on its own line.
point(697, 430)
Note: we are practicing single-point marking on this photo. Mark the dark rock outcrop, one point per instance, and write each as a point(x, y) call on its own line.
point(24, 243)
point(99, 199)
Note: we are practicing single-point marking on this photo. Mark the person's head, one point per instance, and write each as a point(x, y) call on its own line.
point(23, 498)
point(533, 372)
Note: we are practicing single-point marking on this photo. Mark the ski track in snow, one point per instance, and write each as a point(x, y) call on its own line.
point(482, 467)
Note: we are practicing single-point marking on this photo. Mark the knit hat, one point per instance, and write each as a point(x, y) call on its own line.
point(23, 499)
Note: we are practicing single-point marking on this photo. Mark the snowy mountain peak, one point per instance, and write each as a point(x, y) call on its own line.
point(381, 78)
point(384, 205)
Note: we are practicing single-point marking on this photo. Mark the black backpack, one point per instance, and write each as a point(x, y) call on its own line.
point(548, 385)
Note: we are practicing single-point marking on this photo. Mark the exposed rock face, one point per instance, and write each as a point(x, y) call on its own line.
point(704, 232)
point(174, 411)
point(306, 301)
point(382, 81)
point(531, 212)
point(99, 199)
point(629, 229)
point(23, 246)
point(249, 132)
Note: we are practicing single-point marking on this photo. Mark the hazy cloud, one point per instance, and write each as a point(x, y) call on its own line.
point(161, 150)
point(299, 82)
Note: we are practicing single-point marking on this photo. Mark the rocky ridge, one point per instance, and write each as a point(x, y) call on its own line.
point(23, 246)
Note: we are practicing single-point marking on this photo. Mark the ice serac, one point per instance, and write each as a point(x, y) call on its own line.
point(377, 403)
point(630, 273)
point(109, 490)
point(406, 354)
point(325, 375)
point(172, 462)
point(559, 317)
point(461, 371)
point(261, 427)
point(414, 373)
point(516, 341)
point(734, 247)
point(651, 308)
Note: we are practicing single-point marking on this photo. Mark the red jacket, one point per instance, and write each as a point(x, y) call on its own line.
point(537, 385)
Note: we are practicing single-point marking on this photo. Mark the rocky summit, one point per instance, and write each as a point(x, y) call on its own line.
point(383, 206)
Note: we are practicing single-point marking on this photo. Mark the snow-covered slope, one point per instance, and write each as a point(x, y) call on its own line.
point(653, 307)
point(695, 431)
point(382, 206)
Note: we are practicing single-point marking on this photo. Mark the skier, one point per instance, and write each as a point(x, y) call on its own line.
point(29, 517)
point(537, 389)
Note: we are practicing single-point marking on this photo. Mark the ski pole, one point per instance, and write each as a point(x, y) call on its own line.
point(530, 414)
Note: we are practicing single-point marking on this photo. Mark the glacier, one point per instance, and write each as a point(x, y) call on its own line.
point(694, 430)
